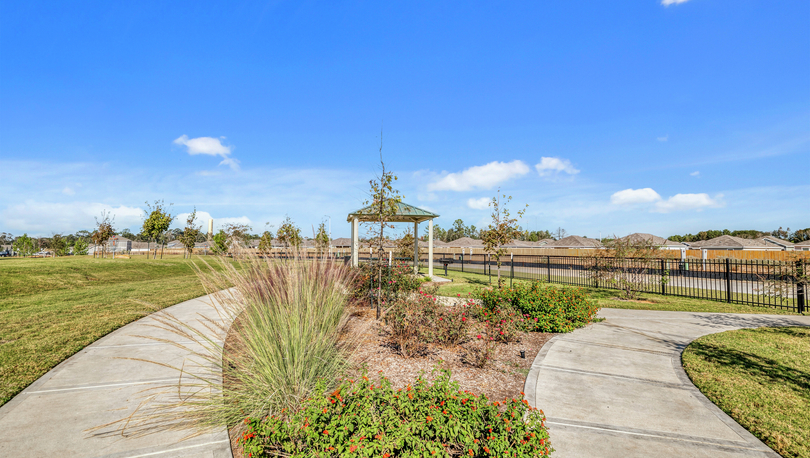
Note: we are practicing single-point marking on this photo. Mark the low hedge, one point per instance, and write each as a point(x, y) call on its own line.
point(365, 419)
point(546, 308)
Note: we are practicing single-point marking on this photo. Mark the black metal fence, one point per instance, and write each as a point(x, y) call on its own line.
point(752, 282)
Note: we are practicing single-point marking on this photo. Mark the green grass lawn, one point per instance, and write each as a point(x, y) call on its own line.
point(52, 308)
point(464, 283)
point(760, 377)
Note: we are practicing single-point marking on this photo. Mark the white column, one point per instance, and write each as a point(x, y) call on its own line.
point(430, 248)
point(355, 242)
point(390, 258)
point(416, 248)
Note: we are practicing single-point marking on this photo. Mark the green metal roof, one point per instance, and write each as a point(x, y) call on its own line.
point(405, 214)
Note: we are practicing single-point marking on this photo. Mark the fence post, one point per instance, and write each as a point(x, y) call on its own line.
point(511, 268)
point(663, 283)
point(800, 287)
point(462, 262)
point(548, 268)
point(728, 279)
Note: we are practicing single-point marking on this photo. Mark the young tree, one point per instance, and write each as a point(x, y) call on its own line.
point(266, 242)
point(289, 234)
point(220, 243)
point(104, 231)
point(383, 205)
point(322, 239)
point(59, 245)
point(625, 263)
point(560, 233)
point(23, 246)
point(405, 245)
point(80, 247)
point(502, 230)
point(157, 221)
point(189, 236)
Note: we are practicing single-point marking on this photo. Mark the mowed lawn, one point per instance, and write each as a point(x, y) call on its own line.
point(52, 308)
point(761, 378)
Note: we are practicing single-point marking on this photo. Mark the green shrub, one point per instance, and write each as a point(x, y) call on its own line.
point(546, 308)
point(417, 320)
point(429, 419)
point(397, 280)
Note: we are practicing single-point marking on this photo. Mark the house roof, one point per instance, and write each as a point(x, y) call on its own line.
point(777, 241)
point(643, 237)
point(805, 243)
point(464, 242)
point(731, 242)
point(574, 241)
point(343, 241)
point(405, 214)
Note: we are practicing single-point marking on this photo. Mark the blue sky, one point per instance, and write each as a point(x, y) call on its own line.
point(605, 117)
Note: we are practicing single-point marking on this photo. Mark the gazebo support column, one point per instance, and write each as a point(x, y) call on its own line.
point(416, 247)
point(355, 242)
point(430, 248)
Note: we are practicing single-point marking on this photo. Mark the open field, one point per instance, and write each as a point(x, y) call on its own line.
point(52, 308)
point(760, 378)
point(464, 283)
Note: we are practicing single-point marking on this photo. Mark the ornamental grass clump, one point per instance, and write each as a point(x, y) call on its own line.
point(368, 419)
point(286, 340)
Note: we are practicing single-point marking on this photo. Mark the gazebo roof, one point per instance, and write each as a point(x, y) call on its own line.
point(405, 214)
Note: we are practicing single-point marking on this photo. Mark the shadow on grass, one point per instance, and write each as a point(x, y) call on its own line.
point(755, 365)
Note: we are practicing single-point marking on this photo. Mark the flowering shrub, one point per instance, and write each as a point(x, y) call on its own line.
point(397, 280)
point(546, 308)
point(367, 420)
point(418, 319)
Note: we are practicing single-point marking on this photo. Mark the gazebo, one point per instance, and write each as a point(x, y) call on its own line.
point(405, 214)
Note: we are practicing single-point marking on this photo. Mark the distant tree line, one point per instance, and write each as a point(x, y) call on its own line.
point(797, 236)
point(459, 230)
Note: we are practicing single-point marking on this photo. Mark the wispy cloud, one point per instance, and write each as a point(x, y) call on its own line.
point(635, 196)
point(42, 217)
point(696, 173)
point(68, 191)
point(209, 146)
point(478, 204)
point(553, 165)
point(480, 177)
point(672, 2)
point(688, 202)
point(663, 139)
point(678, 202)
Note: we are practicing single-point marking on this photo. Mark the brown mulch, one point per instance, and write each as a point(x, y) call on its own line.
point(502, 378)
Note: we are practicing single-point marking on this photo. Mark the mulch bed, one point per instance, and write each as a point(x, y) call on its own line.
point(502, 378)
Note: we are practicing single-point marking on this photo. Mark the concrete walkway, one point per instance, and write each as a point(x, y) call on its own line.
point(617, 388)
point(53, 416)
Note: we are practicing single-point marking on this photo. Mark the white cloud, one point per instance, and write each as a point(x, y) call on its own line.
point(551, 165)
point(209, 146)
point(479, 204)
point(634, 196)
point(663, 139)
point(68, 191)
point(219, 223)
point(42, 218)
point(480, 177)
point(696, 173)
point(688, 202)
point(672, 2)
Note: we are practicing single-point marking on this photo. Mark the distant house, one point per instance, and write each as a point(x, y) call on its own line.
point(783, 244)
point(660, 242)
point(728, 242)
point(175, 244)
point(802, 246)
point(574, 242)
point(465, 242)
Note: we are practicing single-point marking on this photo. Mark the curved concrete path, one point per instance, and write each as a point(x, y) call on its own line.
point(53, 416)
point(617, 388)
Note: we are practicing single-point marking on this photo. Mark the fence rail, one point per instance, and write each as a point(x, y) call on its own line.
point(751, 282)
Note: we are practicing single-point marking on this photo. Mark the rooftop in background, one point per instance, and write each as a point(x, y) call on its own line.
point(574, 241)
point(729, 242)
point(405, 214)
point(659, 241)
